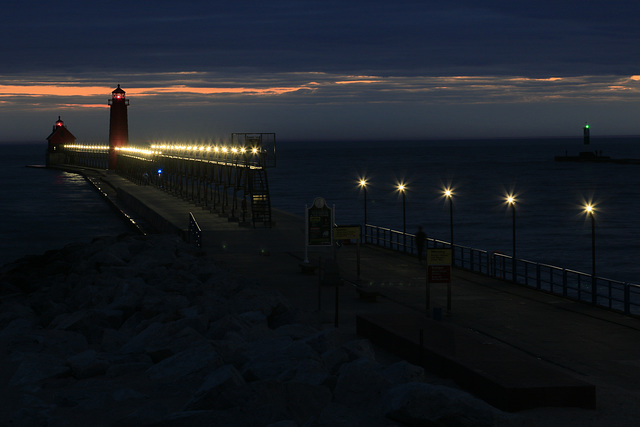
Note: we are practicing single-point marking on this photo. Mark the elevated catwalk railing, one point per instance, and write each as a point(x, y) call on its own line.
point(228, 179)
point(612, 294)
point(87, 155)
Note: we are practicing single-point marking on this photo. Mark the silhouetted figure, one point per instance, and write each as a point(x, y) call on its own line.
point(420, 239)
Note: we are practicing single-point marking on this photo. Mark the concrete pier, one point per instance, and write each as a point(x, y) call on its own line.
point(515, 347)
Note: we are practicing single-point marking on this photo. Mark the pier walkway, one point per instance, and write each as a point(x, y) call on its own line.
point(588, 344)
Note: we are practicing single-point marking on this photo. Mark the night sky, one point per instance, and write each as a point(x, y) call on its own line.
point(322, 70)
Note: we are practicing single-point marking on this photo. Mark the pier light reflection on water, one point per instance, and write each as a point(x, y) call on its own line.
point(46, 209)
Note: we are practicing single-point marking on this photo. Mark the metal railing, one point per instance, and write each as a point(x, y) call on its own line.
point(615, 295)
point(195, 232)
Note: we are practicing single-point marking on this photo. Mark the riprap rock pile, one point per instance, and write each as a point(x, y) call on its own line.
point(145, 331)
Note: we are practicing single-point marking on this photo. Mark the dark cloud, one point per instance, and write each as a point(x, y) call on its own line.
point(400, 37)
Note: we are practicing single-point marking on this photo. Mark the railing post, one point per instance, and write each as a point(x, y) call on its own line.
point(565, 283)
point(627, 299)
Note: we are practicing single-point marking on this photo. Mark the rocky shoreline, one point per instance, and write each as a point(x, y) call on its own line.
point(146, 331)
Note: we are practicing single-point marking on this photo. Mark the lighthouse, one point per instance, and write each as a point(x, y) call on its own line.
point(59, 136)
point(118, 124)
point(585, 133)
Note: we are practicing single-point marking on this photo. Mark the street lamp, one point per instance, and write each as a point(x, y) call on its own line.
point(402, 189)
point(363, 185)
point(590, 211)
point(511, 200)
point(448, 193)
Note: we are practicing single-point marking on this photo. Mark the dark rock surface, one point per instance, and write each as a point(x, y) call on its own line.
point(145, 331)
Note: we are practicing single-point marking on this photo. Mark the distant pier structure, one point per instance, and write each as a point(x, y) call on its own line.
point(590, 155)
point(229, 178)
point(586, 136)
point(118, 125)
point(56, 140)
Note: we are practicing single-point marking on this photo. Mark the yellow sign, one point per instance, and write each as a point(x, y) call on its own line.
point(346, 233)
point(439, 257)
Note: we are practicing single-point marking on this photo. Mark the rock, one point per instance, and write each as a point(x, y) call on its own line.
point(87, 364)
point(333, 359)
point(87, 322)
point(403, 372)
point(269, 361)
point(219, 382)
point(35, 412)
point(112, 340)
point(130, 367)
point(357, 349)
point(426, 404)
point(229, 323)
point(254, 317)
point(338, 415)
point(171, 340)
point(127, 394)
point(307, 372)
point(11, 311)
point(185, 363)
point(127, 295)
point(38, 367)
point(297, 331)
point(284, 423)
point(325, 340)
point(269, 401)
point(360, 383)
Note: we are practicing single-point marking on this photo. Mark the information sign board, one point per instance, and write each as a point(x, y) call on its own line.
point(346, 232)
point(439, 265)
point(320, 224)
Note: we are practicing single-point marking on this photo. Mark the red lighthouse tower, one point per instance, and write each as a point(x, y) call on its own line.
point(118, 124)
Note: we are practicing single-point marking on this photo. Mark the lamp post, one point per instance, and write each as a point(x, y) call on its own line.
point(363, 185)
point(402, 189)
point(449, 195)
point(590, 211)
point(512, 201)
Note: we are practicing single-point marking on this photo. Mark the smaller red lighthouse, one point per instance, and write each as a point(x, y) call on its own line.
point(59, 136)
point(118, 124)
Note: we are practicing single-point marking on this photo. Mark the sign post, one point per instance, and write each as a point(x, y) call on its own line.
point(319, 226)
point(349, 232)
point(438, 271)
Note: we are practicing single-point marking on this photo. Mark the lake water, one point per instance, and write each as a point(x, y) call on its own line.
point(45, 209)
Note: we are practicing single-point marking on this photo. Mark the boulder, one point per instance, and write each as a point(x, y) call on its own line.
point(185, 363)
point(403, 372)
point(37, 367)
point(418, 404)
point(88, 322)
point(325, 340)
point(87, 364)
point(306, 371)
point(360, 384)
point(219, 382)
